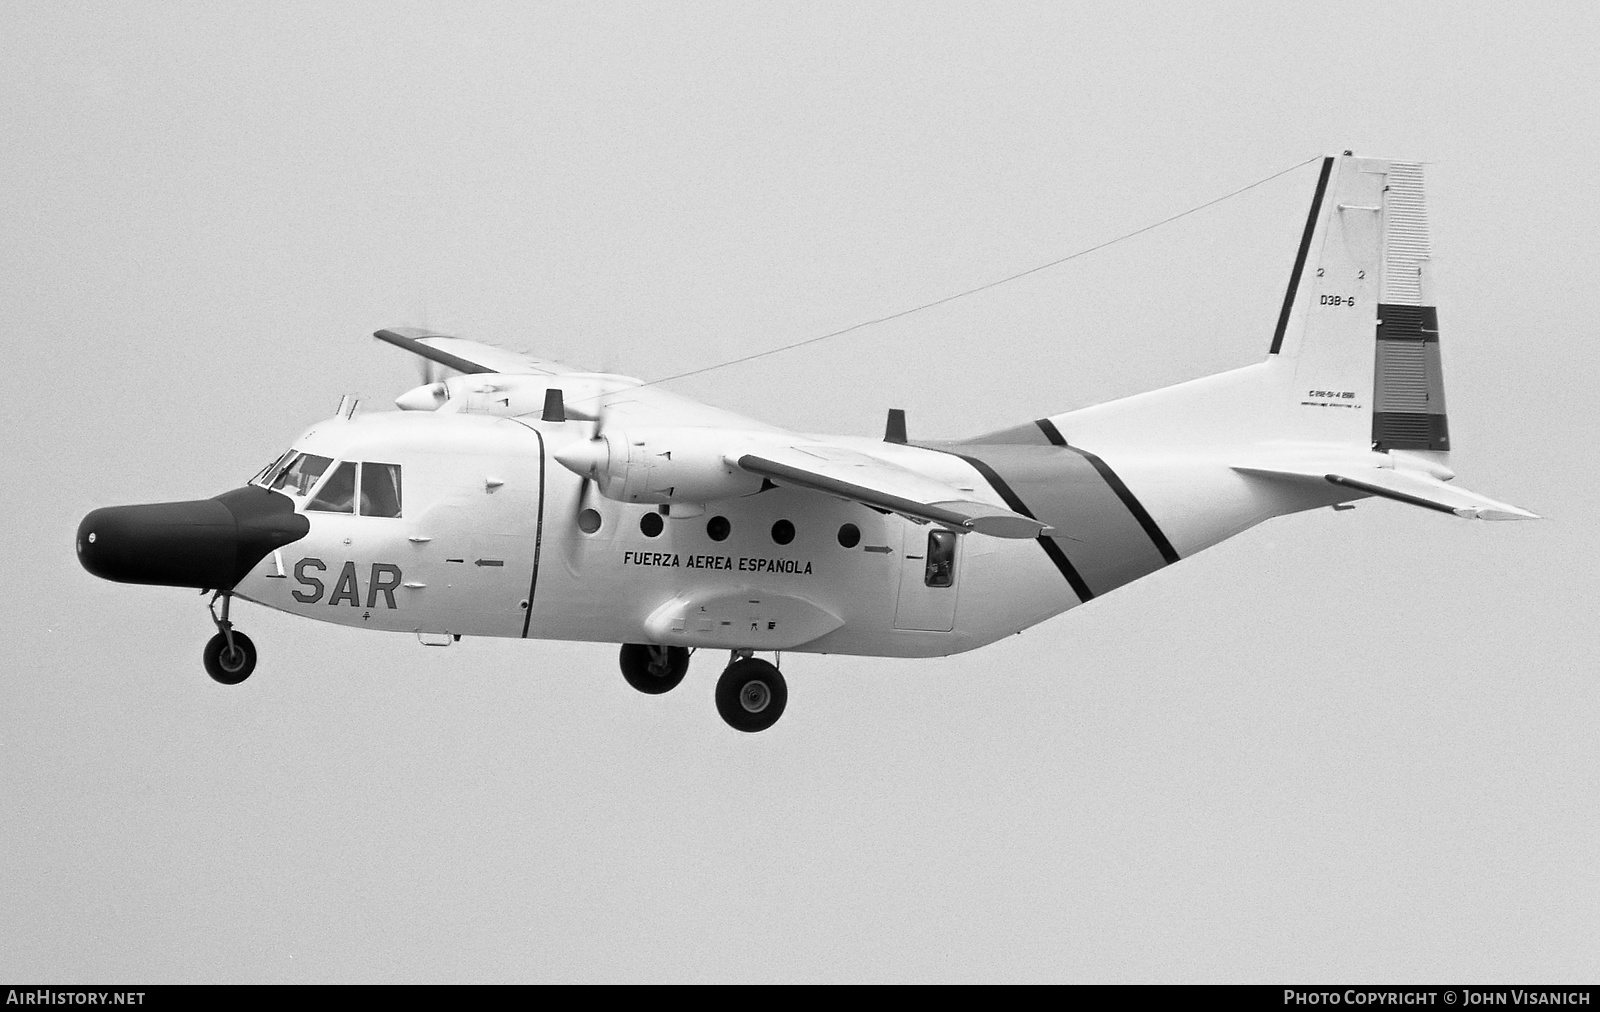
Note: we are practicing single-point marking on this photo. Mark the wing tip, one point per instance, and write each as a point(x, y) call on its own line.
point(411, 338)
point(1500, 512)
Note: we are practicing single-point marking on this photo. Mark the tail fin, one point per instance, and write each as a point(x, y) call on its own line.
point(1354, 360)
point(1358, 332)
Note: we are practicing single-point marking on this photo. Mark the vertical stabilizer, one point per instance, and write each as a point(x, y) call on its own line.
point(1357, 340)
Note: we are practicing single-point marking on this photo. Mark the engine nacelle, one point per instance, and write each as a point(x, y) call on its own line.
point(687, 465)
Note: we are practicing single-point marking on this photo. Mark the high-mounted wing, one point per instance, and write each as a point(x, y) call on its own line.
point(873, 482)
point(624, 400)
point(468, 356)
point(626, 403)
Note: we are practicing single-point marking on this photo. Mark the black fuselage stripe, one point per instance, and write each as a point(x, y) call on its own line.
point(1131, 501)
point(1051, 548)
point(1300, 258)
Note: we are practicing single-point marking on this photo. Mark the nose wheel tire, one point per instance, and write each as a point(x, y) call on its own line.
point(751, 695)
point(230, 665)
point(652, 669)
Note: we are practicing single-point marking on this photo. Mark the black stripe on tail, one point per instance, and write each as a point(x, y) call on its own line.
point(1300, 258)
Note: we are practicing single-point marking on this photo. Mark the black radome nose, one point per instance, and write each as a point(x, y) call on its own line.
point(207, 543)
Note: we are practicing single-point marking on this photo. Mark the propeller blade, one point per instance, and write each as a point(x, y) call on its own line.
point(575, 532)
point(584, 459)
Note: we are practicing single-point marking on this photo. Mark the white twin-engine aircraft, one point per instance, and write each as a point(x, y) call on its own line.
point(522, 498)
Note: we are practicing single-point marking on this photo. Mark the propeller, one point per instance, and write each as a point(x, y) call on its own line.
point(431, 372)
point(433, 368)
point(584, 458)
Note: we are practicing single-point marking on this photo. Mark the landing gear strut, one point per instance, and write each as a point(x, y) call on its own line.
point(751, 693)
point(229, 656)
point(652, 669)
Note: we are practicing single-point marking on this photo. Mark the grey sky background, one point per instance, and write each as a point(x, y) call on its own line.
point(1342, 746)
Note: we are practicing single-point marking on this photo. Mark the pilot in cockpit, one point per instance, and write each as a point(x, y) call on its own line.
point(297, 473)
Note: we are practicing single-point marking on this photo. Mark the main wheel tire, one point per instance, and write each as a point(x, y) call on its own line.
point(751, 695)
point(230, 667)
point(653, 670)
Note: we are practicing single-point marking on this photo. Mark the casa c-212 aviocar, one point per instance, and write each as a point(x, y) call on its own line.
point(521, 498)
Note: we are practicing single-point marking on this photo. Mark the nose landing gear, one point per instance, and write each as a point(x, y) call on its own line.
point(751, 693)
point(229, 655)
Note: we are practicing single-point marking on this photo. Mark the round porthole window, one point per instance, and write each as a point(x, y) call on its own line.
point(651, 524)
point(783, 532)
point(849, 535)
point(718, 528)
point(589, 521)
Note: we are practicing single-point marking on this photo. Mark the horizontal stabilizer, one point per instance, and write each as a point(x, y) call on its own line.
point(885, 486)
point(1411, 487)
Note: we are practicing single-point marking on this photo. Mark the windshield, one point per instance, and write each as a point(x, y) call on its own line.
point(299, 474)
point(266, 474)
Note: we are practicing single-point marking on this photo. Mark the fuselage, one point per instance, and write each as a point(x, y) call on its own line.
point(486, 539)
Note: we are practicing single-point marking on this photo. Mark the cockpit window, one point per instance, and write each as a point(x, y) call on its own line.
point(338, 494)
point(380, 490)
point(379, 484)
point(300, 474)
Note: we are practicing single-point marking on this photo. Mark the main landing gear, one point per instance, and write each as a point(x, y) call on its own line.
point(229, 656)
point(751, 693)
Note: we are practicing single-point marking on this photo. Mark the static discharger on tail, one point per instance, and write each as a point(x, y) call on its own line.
point(522, 498)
